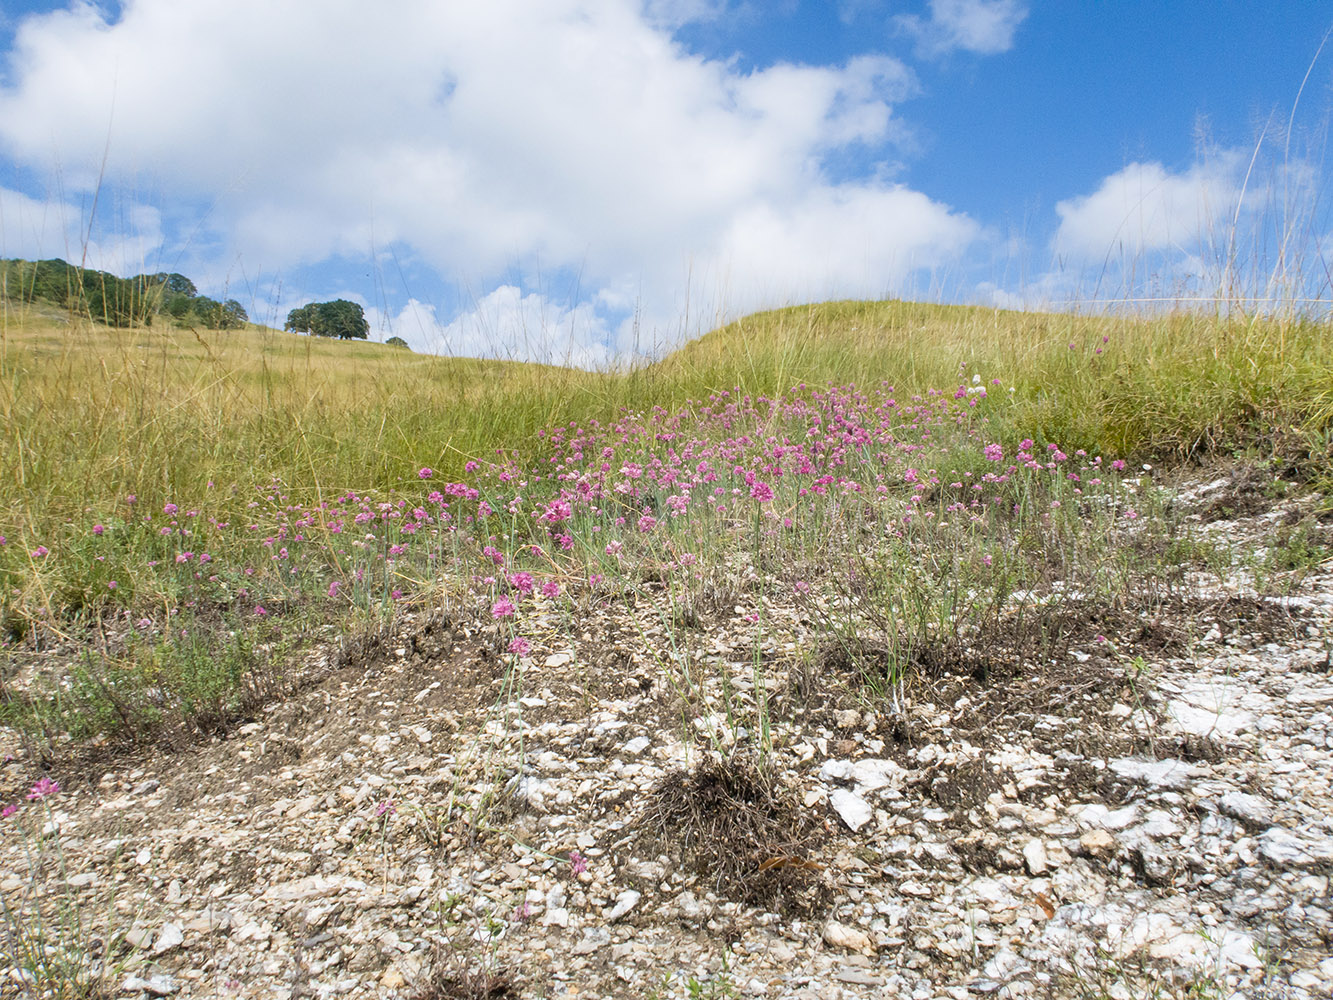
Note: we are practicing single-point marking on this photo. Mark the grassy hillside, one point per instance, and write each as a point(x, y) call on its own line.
point(246, 485)
point(1169, 386)
point(93, 414)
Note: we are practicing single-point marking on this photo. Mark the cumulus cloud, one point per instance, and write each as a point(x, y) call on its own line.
point(127, 241)
point(510, 325)
point(488, 142)
point(1236, 227)
point(675, 13)
point(985, 27)
point(1144, 207)
point(843, 241)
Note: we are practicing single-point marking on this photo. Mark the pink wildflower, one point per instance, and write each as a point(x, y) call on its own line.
point(426, 473)
point(761, 492)
point(520, 646)
point(44, 787)
point(98, 529)
point(503, 608)
point(557, 511)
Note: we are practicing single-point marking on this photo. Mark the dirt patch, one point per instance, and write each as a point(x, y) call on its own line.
point(736, 825)
point(1249, 490)
point(966, 786)
point(444, 981)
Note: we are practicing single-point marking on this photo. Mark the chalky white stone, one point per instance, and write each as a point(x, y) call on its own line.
point(1034, 856)
point(851, 808)
point(1284, 849)
point(1179, 870)
point(625, 902)
point(156, 985)
point(1165, 773)
point(1250, 808)
point(168, 937)
point(840, 935)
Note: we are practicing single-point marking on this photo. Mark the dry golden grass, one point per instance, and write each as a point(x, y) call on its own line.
point(92, 413)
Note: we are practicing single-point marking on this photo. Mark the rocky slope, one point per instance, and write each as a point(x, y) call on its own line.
point(1148, 807)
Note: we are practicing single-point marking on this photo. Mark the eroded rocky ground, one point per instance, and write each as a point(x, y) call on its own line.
point(1143, 805)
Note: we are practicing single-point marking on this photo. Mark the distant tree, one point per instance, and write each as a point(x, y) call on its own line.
point(204, 310)
point(177, 306)
point(397, 342)
point(299, 320)
point(175, 284)
point(229, 315)
point(98, 295)
point(56, 281)
point(180, 285)
point(116, 301)
point(339, 318)
point(234, 314)
point(342, 319)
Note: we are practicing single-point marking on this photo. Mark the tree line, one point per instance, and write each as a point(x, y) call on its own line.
point(137, 301)
point(116, 301)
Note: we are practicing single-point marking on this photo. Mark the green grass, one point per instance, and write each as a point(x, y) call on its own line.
point(92, 414)
point(1168, 386)
point(255, 434)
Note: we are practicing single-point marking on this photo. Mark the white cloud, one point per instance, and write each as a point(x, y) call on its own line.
point(1236, 228)
point(36, 229)
point(125, 240)
point(841, 242)
point(483, 140)
point(985, 27)
point(1145, 207)
point(675, 13)
point(510, 325)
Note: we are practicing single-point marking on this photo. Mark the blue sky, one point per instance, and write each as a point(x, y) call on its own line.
point(575, 179)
